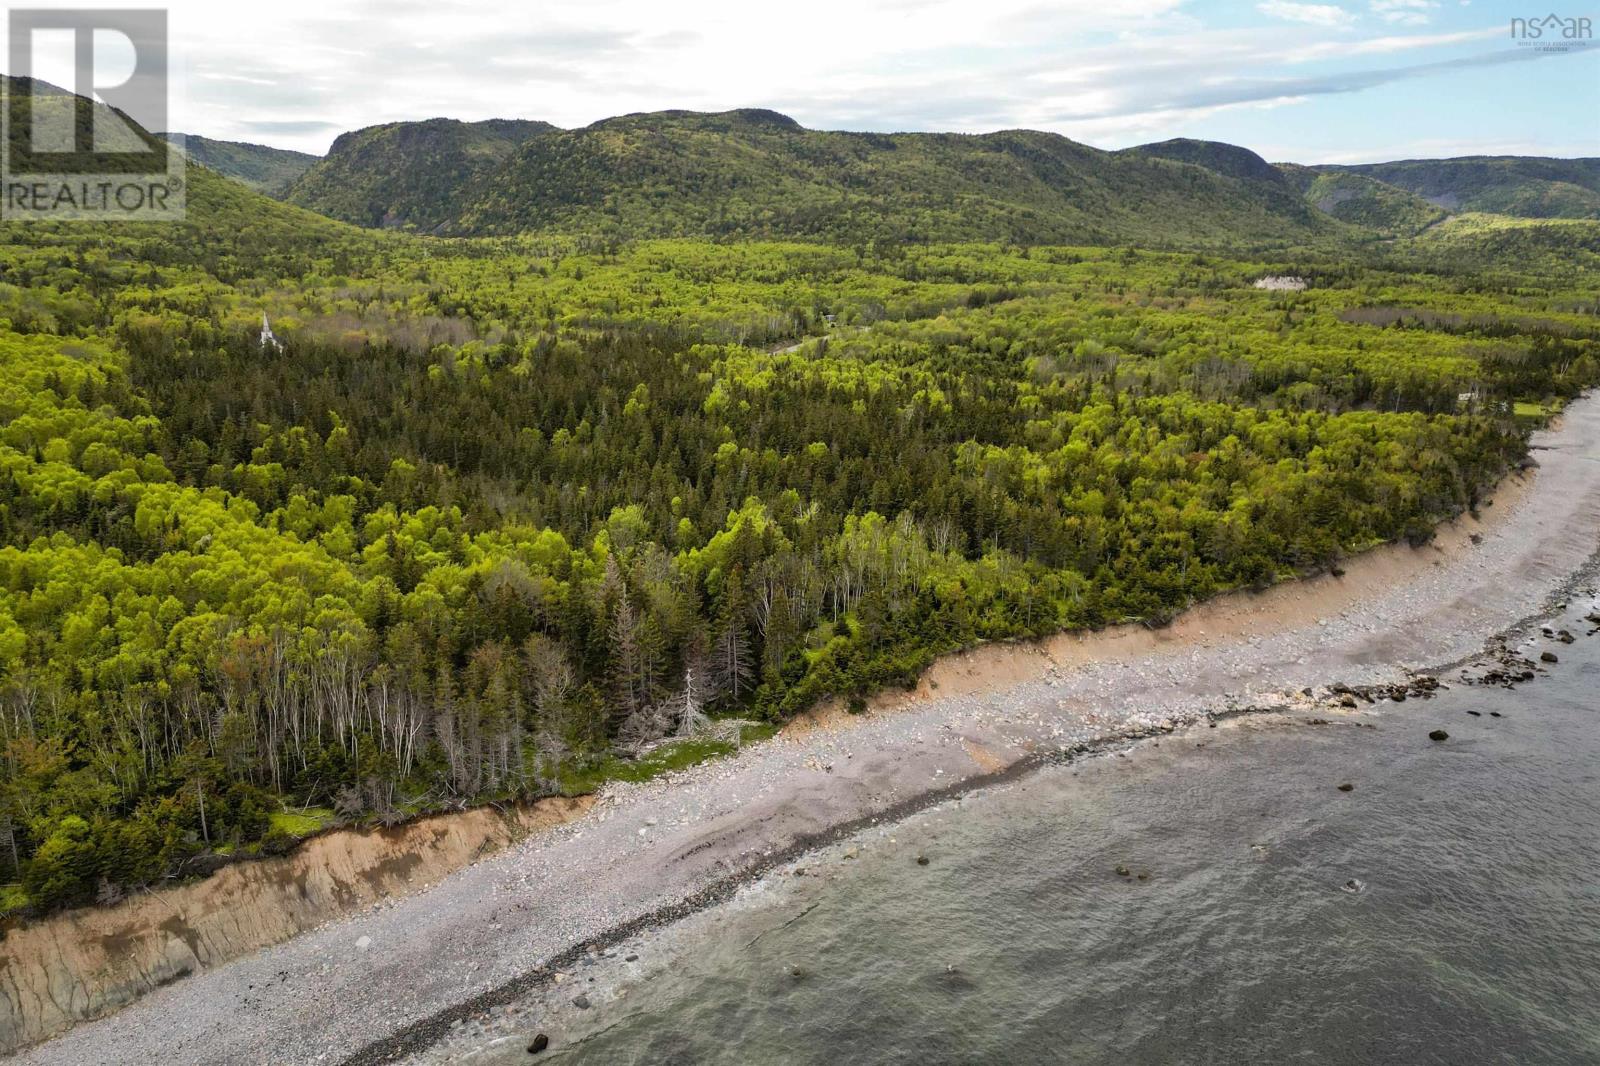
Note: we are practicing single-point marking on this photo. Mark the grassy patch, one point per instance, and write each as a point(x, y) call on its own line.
point(12, 898)
point(302, 823)
point(1529, 413)
point(577, 781)
point(1524, 409)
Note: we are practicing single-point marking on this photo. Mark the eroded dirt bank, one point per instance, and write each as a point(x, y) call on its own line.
point(85, 963)
point(389, 980)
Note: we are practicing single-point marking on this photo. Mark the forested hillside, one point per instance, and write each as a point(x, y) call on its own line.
point(1507, 185)
point(408, 173)
point(494, 515)
point(264, 169)
point(1226, 159)
point(1364, 201)
point(754, 174)
point(757, 174)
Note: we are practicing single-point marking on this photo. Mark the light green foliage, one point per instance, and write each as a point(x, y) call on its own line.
point(13, 898)
point(503, 512)
point(302, 823)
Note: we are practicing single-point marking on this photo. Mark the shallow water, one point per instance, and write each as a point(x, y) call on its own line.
point(1474, 936)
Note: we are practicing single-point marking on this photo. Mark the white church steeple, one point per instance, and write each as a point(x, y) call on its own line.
point(266, 335)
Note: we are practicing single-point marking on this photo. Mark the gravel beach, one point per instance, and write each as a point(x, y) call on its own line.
point(394, 978)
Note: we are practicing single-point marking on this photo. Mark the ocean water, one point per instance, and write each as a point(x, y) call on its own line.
point(1444, 910)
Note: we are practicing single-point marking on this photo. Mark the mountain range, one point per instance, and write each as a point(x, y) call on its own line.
point(759, 174)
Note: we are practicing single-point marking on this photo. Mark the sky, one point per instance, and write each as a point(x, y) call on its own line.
point(1345, 81)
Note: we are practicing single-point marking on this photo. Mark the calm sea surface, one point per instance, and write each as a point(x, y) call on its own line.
point(1445, 910)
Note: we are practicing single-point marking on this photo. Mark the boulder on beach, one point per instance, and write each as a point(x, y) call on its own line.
point(1549, 657)
point(1438, 734)
point(540, 1042)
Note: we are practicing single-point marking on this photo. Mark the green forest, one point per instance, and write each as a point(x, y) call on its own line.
point(490, 517)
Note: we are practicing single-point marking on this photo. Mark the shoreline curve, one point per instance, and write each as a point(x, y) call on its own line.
point(645, 854)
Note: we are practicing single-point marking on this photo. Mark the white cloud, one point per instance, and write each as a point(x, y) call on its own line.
point(1313, 14)
point(1219, 76)
point(1384, 45)
point(295, 73)
point(1146, 126)
point(353, 63)
point(1404, 12)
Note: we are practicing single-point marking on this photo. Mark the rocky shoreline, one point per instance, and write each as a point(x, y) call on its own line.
point(605, 969)
point(648, 854)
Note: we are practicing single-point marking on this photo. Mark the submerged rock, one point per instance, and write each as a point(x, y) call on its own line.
point(1347, 787)
point(1549, 657)
point(581, 1002)
point(1354, 885)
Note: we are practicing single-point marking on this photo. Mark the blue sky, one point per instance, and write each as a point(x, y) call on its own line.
point(1473, 90)
point(1340, 81)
